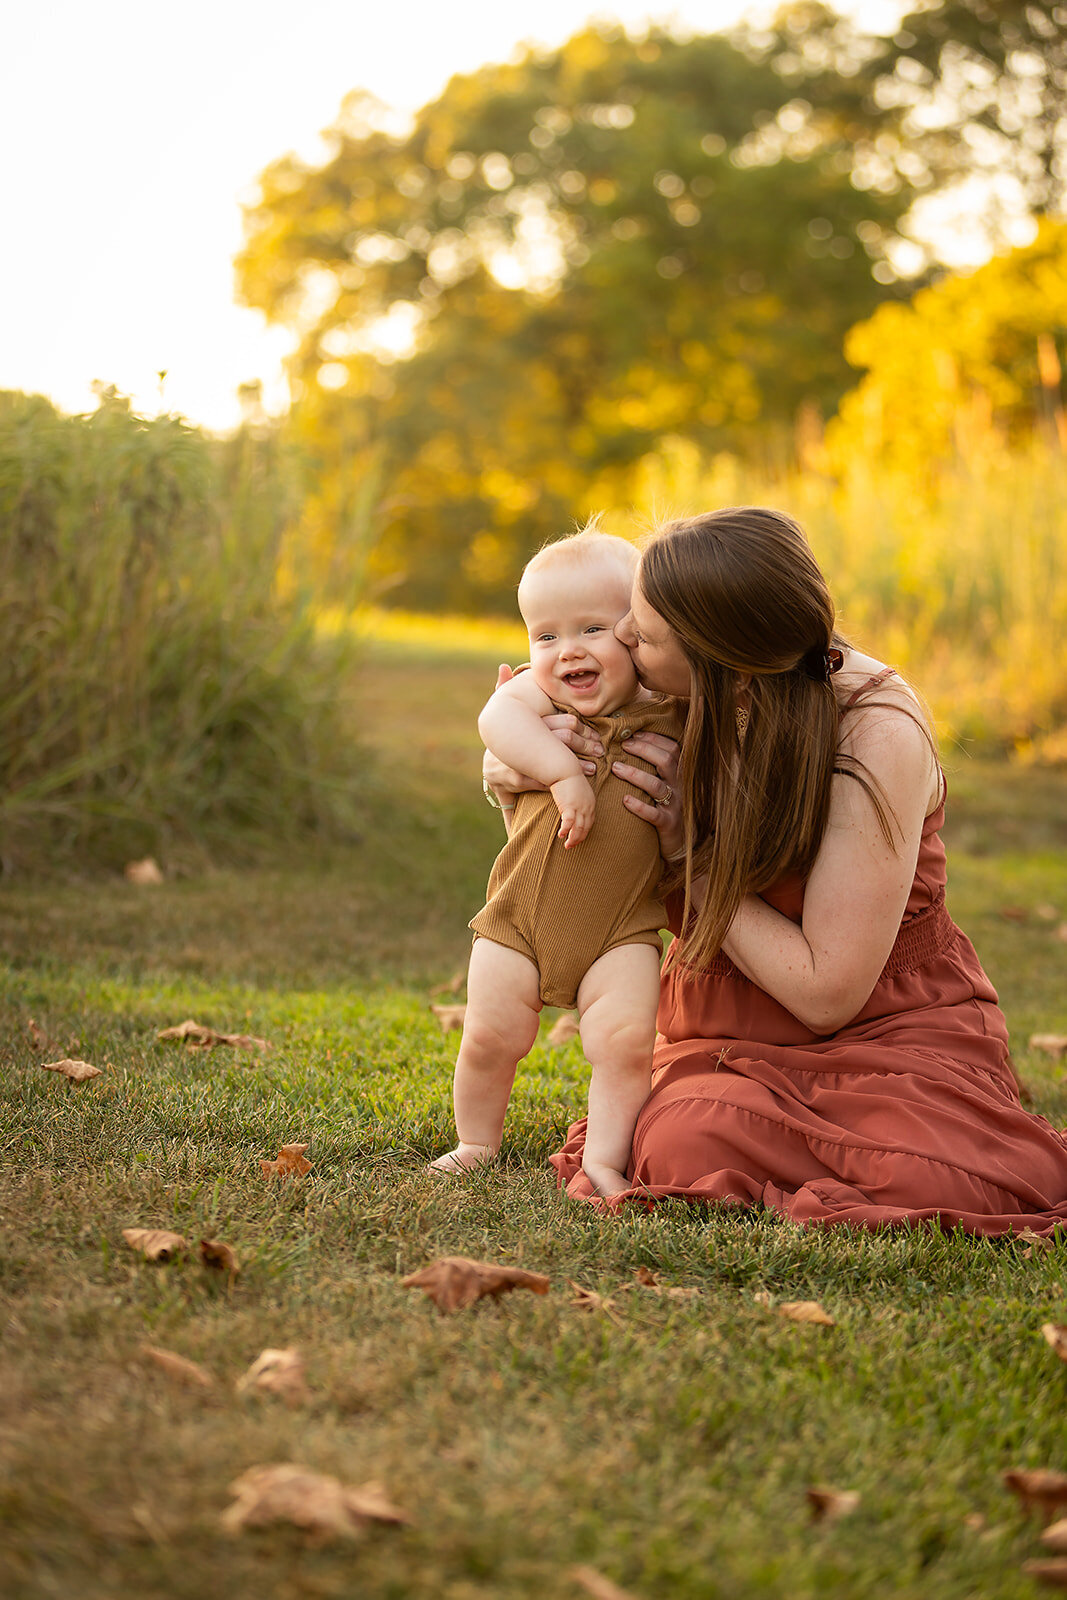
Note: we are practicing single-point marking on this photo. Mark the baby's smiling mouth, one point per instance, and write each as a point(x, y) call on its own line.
point(580, 680)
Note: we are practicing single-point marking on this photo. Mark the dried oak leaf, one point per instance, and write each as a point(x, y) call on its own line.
point(598, 1586)
point(1014, 913)
point(1053, 1571)
point(795, 1310)
point(1039, 1489)
point(38, 1038)
point(290, 1162)
point(146, 872)
point(1056, 1334)
point(319, 1504)
point(1055, 1537)
point(1053, 1044)
point(455, 1282)
point(827, 1504)
point(589, 1300)
point(449, 1018)
point(563, 1030)
point(197, 1037)
point(644, 1278)
point(279, 1372)
point(805, 1311)
point(76, 1071)
point(177, 1367)
point(453, 986)
point(214, 1253)
point(155, 1243)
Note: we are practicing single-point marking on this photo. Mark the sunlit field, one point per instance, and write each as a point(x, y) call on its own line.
point(664, 1442)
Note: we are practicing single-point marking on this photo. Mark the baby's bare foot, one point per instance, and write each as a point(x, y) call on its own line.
point(462, 1159)
point(605, 1180)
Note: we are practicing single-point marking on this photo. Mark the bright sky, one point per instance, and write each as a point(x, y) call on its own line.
point(132, 129)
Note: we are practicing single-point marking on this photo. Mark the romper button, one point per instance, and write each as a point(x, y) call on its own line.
point(626, 733)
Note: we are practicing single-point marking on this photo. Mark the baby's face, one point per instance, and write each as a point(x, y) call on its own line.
point(571, 612)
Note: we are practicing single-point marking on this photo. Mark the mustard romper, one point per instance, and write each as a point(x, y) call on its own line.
point(564, 909)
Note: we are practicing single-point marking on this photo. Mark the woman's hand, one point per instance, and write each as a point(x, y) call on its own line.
point(569, 730)
point(663, 808)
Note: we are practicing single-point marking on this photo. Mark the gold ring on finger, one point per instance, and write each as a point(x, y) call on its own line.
point(666, 799)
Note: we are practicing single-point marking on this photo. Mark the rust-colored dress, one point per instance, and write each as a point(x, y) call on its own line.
point(908, 1114)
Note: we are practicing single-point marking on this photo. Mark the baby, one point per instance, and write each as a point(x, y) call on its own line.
point(572, 916)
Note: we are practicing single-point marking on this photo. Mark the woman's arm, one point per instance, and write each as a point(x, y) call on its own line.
point(854, 900)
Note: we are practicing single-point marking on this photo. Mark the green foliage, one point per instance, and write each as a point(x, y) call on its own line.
point(591, 248)
point(979, 350)
point(158, 687)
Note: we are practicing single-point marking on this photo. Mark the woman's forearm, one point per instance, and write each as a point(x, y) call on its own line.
point(775, 954)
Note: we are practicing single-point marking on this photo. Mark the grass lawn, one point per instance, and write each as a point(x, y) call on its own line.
point(666, 1442)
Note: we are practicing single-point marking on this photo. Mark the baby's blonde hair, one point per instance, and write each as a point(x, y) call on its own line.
point(583, 547)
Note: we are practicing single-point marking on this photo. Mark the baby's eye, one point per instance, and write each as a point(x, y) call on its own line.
point(544, 638)
point(595, 627)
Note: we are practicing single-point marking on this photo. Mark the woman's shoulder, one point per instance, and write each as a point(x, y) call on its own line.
point(885, 725)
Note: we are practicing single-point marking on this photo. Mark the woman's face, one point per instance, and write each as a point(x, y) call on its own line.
point(656, 653)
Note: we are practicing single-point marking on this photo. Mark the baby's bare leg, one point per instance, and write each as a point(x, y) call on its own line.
point(503, 1007)
point(617, 1004)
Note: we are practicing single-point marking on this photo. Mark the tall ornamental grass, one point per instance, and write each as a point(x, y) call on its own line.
point(956, 571)
point(159, 691)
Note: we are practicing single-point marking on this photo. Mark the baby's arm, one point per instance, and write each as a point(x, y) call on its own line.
point(511, 727)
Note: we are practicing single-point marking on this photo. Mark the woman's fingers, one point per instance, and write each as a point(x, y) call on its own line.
point(660, 751)
point(572, 732)
point(658, 803)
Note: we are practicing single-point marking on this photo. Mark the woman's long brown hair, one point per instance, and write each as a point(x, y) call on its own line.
point(742, 593)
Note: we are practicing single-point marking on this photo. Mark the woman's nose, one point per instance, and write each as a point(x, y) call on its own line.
point(624, 631)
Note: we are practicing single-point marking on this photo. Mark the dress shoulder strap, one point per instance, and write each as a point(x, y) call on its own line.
point(868, 683)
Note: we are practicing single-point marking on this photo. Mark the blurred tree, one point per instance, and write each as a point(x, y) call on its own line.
point(971, 360)
point(564, 260)
point(969, 90)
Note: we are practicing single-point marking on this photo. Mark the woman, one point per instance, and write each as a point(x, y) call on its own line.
point(829, 1044)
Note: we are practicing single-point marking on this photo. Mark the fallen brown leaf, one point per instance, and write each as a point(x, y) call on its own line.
point(38, 1038)
point(1039, 1489)
point(646, 1279)
point(454, 984)
point(197, 1037)
point(598, 1586)
point(588, 1300)
point(1035, 1242)
point(319, 1504)
point(455, 1282)
point(146, 872)
point(76, 1071)
point(1014, 913)
point(1055, 1537)
point(805, 1311)
point(214, 1253)
point(828, 1504)
point(290, 1162)
point(1053, 1044)
point(450, 1018)
point(279, 1372)
point(1046, 912)
point(563, 1030)
point(175, 1366)
point(1056, 1334)
point(155, 1243)
point(1053, 1571)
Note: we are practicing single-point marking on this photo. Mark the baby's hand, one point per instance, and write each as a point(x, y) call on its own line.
point(576, 803)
